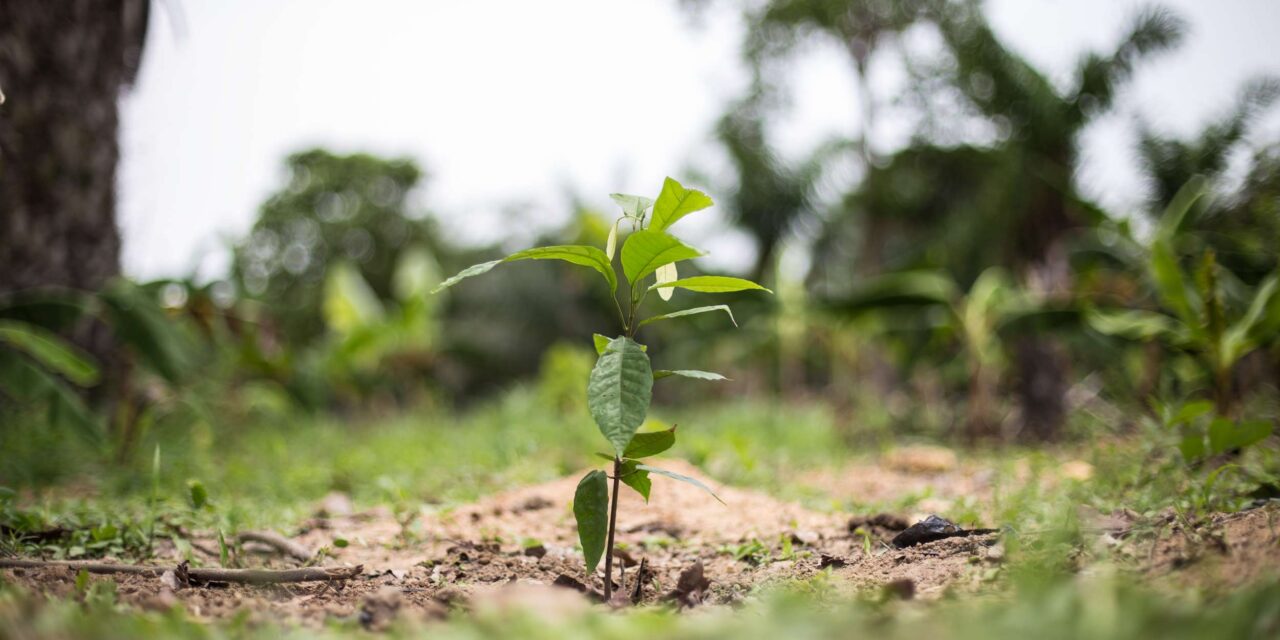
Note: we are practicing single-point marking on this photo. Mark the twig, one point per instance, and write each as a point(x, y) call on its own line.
point(279, 543)
point(248, 576)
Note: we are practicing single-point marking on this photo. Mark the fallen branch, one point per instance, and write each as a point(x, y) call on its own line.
point(279, 543)
point(247, 576)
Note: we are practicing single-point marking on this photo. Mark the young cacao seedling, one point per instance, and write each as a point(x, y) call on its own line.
point(620, 387)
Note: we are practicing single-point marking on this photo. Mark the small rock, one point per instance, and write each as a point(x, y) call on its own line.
point(805, 537)
point(335, 505)
point(902, 589)
point(536, 551)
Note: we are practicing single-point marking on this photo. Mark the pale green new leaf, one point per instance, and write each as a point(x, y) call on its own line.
point(636, 478)
point(676, 202)
point(350, 304)
point(603, 341)
point(681, 478)
point(619, 391)
point(687, 373)
point(1135, 324)
point(646, 250)
point(634, 206)
point(650, 443)
point(50, 351)
point(581, 255)
point(713, 284)
point(591, 510)
point(691, 312)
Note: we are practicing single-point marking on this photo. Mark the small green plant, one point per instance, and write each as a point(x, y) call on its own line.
point(620, 386)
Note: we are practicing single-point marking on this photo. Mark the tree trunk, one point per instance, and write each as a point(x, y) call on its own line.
point(63, 66)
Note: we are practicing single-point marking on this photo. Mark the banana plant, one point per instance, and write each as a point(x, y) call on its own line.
point(1193, 317)
point(620, 386)
point(980, 317)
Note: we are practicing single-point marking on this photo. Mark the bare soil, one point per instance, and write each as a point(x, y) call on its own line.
point(519, 549)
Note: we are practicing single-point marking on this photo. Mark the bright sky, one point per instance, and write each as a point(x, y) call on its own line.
point(513, 105)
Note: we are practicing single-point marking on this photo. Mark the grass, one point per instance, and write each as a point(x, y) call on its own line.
point(272, 471)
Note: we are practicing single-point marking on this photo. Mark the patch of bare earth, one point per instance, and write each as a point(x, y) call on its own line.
point(519, 548)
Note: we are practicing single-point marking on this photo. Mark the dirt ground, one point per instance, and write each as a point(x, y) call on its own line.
point(518, 549)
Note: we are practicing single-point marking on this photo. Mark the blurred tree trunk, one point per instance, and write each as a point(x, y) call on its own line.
point(63, 66)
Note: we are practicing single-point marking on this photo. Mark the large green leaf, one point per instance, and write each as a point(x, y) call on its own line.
point(681, 478)
point(691, 312)
point(713, 284)
point(582, 255)
point(591, 510)
point(676, 202)
point(908, 288)
point(646, 250)
point(1242, 336)
point(619, 391)
point(636, 478)
point(51, 351)
point(141, 324)
point(1172, 288)
point(26, 383)
point(687, 373)
point(650, 443)
point(350, 304)
point(1225, 435)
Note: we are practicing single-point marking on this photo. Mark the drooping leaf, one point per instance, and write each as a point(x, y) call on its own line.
point(24, 382)
point(611, 245)
point(50, 351)
point(691, 312)
point(714, 284)
point(473, 270)
point(1225, 434)
point(619, 391)
point(687, 373)
point(634, 206)
point(591, 511)
point(1241, 337)
point(681, 478)
point(646, 250)
point(666, 273)
point(675, 202)
point(636, 479)
point(1192, 410)
point(650, 443)
point(581, 255)
point(1192, 446)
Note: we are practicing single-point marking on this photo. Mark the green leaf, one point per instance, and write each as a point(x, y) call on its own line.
point(908, 288)
point(619, 391)
point(650, 443)
point(473, 270)
point(591, 510)
point(1134, 324)
point(1192, 447)
point(681, 478)
point(636, 479)
point(1171, 287)
point(340, 543)
point(713, 284)
point(1181, 204)
point(199, 495)
point(691, 312)
point(1191, 411)
point(51, 351)
point(634, 206)
point(581, 255)
point(646, 250)
point(1225, 435)
point(140, 323)
point(676, 202)
point(350, 304)
point(687, 373)
point(27, 383)
point(1241, 337)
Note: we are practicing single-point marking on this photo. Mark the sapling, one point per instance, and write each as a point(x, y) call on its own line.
point(620, 387)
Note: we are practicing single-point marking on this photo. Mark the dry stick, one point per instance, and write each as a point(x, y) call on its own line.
point(279, 543)
point(248, 576)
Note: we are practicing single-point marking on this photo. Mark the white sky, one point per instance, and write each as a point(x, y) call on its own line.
point(510, 105)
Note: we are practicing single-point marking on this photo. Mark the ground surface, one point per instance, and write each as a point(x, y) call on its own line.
point(518, 548)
